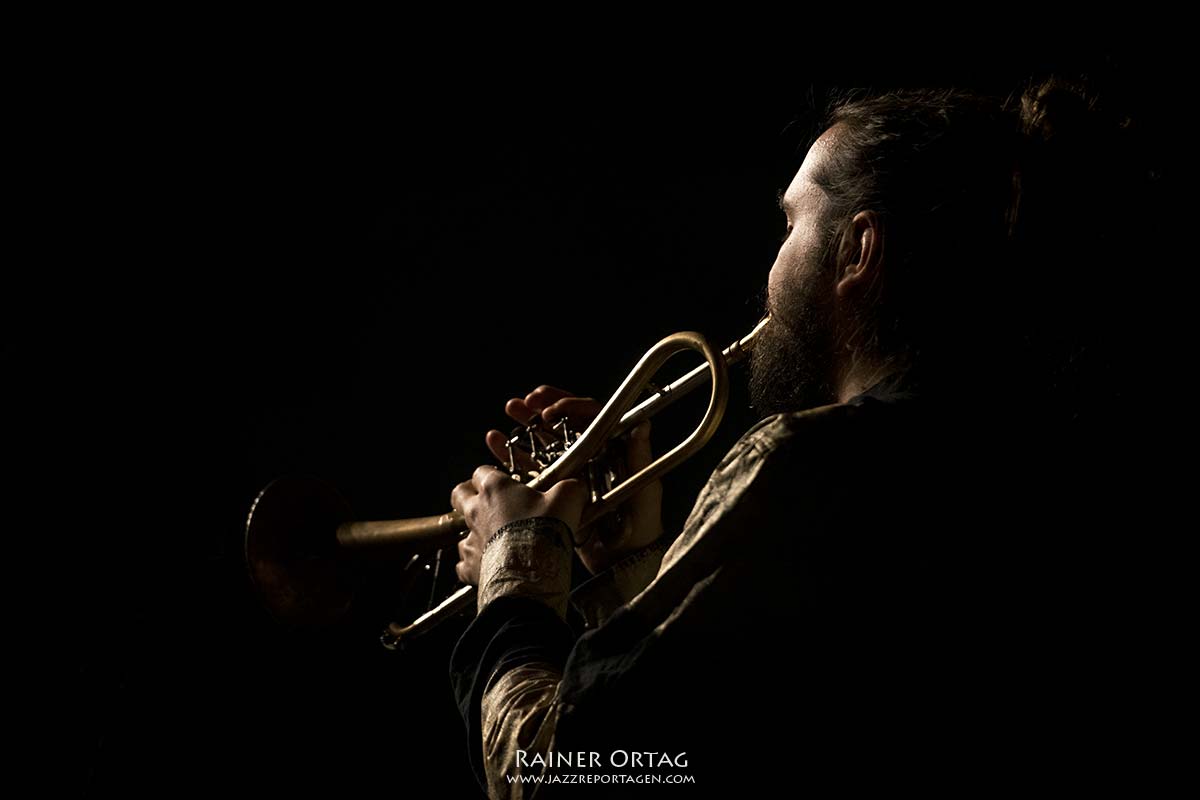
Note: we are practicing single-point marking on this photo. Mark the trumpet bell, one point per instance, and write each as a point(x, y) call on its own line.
point(292, 555)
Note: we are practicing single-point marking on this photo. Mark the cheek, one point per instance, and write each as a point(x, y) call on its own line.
point(775, 285)
point(796, 262)
point(784, 272)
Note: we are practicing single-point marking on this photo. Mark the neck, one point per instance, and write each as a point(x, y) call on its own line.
point(859, 374)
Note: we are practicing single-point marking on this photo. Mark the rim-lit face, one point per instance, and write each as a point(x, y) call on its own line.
point(803, 204)
point(792, 367)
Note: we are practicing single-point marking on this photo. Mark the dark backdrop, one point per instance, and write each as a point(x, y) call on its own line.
point(345, 272)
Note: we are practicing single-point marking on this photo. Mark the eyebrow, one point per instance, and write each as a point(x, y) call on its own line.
point(779, 201)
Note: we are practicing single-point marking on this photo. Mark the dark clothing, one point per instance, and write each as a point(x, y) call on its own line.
point(871, 593)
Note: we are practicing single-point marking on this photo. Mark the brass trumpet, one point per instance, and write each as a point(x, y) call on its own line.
point(299, 532)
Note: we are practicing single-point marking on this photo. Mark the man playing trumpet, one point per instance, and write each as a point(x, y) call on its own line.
point(869, 585)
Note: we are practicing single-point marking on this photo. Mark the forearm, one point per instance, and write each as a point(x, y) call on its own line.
point(507, 665)
point(528, 558)
point(505, 671)
point(599, 597)
point(518, 715)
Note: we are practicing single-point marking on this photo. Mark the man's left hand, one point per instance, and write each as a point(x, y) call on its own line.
point(492, 499)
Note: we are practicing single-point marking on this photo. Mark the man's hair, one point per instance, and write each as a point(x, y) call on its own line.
point(997, 214)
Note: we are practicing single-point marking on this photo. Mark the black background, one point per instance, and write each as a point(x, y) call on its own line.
point(279, 266)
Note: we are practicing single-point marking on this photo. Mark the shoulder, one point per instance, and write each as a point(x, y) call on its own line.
point(780, 433)
point(816, 441)
point(792, 440)
point(783, 457)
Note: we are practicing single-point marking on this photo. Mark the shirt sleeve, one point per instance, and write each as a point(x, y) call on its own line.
point(528, 558)
point(507, 667)
point(505, 672)
point(597, 598)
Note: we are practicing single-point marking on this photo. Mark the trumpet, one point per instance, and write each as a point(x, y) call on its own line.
point(301, 539)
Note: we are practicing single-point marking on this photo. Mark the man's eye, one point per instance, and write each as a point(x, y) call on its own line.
point(786, 234)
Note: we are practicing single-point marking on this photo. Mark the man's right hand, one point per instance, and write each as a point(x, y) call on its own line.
point(642, 513)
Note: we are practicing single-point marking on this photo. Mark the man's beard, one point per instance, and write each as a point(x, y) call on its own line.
point(791, 365)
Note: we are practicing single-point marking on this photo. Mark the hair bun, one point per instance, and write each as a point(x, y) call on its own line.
point(1069, 118)
point(1075, 148)
point(1054, 108)
point(1080, 206)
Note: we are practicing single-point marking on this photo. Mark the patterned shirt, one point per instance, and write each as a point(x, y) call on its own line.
point(833, 588)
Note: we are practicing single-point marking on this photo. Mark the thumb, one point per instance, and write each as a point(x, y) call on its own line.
point(566, 499)
point(638, 449)
point(647, 503)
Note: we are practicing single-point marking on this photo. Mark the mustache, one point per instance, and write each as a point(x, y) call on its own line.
point(762, 301)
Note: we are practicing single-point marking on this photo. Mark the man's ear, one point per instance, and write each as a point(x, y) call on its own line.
point(861, 263)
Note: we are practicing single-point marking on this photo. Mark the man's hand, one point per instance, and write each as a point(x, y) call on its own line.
point(641, 516)
point(491, 500)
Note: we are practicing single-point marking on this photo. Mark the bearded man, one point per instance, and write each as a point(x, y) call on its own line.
point(862, 591)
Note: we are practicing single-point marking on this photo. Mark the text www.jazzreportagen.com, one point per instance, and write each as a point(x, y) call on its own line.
point(573, 777)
